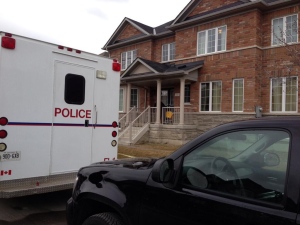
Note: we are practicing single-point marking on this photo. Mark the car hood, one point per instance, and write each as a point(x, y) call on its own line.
point(131, 163)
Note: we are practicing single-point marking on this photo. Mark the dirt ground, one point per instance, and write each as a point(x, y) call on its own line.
point(146, 150)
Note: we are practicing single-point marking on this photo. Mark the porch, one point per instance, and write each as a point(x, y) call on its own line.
point(162, 86)
point(134, 125)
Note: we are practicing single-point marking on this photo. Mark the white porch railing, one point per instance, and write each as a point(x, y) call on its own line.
point(137, 123)
point(171, 115)
point(126, 119)
point(137, 127)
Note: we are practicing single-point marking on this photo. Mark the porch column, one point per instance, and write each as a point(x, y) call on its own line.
point(158, 101)
point(182, 87)
point(128, 99)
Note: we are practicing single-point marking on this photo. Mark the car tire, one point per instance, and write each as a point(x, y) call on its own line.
point(103, 219)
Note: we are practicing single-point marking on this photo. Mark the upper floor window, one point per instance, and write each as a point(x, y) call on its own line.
point(168, 52)
point(285, 30)
point(238, 95)
point(213, 40)
point(127, 58)
point(284, 94)
point(211, 96)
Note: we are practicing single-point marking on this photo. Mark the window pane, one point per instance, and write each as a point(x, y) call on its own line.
point(133, 55)
point(277, 94)
point(221, 38)
point(121, 98)
point(123, 60)
point(74, 89)
point(238, 95)
point(165, 52)
point(277, 31)
point(291, 94)
point(129, 58)
point(291, 29)
point(201, 42)
point(172, 51)
point(205, 97)
point(216, 96)
point(134, 98)
point(240, 163)
point(211, 42)
point(187, 93)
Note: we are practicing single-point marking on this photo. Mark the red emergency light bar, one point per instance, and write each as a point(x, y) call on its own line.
point(116, 66)
point(8, 42)
point(68, 49)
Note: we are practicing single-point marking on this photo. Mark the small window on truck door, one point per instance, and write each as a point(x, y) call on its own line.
point(74, 89)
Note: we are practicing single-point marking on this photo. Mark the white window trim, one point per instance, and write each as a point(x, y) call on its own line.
point(132, 59)
point(283, 96)
point(284, 28)
point(169, 51)
point(206, 41)
point(234, 95)
point(210, 97)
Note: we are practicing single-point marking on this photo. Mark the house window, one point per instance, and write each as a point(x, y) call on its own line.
point(285, 30)
point(168, 52)
point(238, 95)
point(127, 58)
point(211, 96)
point(187, 93)
point(213, 40)
point(121, 100)
point(284, 92)
point(134, 97)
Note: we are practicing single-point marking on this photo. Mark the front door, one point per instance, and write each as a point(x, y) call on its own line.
point(167, 97)
point(72, 117)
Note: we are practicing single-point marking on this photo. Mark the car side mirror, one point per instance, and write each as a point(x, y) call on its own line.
point(163, 171)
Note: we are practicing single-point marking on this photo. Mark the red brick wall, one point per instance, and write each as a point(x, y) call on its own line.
point(144, 50)
point(207, 5)
point(128, 32)
point(157, 47)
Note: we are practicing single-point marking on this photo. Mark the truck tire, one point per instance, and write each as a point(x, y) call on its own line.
point(103, 219)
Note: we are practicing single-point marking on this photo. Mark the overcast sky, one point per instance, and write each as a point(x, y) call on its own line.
point(81, 24)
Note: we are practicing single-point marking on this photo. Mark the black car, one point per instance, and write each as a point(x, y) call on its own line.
point(241, 173)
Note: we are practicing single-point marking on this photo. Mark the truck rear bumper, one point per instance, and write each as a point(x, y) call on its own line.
point(36, 185)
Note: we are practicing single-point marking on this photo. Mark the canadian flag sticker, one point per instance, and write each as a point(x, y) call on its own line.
point(5, 172)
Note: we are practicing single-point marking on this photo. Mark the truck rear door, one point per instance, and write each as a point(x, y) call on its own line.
point(72, 117)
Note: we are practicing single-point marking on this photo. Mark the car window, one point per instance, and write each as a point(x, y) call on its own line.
point(250, 164)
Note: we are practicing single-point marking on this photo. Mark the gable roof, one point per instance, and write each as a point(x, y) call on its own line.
point(183, 19)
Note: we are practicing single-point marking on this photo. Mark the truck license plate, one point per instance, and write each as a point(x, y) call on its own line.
point(10, 156)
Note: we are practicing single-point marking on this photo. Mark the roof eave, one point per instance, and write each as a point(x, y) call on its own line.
point(261, 5)
point(155, 76)
point(126, 43)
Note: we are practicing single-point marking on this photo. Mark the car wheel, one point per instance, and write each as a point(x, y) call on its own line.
point(104, 219)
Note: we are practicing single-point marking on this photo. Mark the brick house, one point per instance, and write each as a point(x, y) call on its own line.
point(217, 61)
